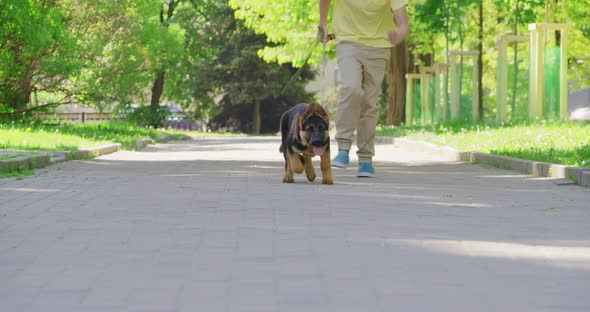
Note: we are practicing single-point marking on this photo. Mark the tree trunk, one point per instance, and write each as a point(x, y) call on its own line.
point(557, 32)
point(256, 116)
point(20, 98)
point(515, 82)
point(22, 87)
point(157, 90)
point(158, 87)
point(446, 90)
point(480, 62)
point(461, 41)
point(396, 84)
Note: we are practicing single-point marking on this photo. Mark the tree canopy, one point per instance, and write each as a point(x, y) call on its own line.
point(199, 52)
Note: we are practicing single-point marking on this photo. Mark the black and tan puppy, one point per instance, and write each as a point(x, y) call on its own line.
point(305, 134)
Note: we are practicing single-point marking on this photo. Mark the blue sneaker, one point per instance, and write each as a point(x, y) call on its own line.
point(341, 160)
point(366, 170)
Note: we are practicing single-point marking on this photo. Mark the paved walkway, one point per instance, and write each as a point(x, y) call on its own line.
point(208, 226)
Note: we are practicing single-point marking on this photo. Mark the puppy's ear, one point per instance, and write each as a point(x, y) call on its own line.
point(325, 117)
point(319, 110)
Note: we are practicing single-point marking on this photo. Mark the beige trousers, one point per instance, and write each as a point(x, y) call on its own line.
point(362, 69)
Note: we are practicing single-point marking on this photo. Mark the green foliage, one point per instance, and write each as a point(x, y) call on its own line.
point(68, 137)
point(290, 27)
point(36, 50)
point(105, 53)
point(222, 62)
point(144, 116)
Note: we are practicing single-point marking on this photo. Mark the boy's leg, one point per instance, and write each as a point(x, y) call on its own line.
point(374, 71)
point(348, 108)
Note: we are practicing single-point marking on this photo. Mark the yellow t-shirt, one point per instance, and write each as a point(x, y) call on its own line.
point(365, 21)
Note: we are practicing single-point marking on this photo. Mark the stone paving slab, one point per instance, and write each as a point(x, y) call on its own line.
point(207, 225)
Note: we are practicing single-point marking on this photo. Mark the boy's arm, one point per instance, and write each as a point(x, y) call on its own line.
point(324, 8)
point(403, 26)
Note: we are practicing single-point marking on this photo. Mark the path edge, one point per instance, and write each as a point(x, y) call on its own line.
point(577, 175)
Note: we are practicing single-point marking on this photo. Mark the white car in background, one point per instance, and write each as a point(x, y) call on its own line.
point(582, 113)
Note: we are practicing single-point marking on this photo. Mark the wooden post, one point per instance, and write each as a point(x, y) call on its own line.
point(537, 70)
point(445, 102)
point(409, 96)
point(409, 99)
point(437, 96)
point(563, 91)
point(424, 81)
point(455, 91)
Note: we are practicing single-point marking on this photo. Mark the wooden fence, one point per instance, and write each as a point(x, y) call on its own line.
point(78, 117)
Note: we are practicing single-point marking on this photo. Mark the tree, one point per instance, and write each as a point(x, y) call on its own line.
point(290, 27)
point(83, 51)
point(221, 61)
point(36, 51)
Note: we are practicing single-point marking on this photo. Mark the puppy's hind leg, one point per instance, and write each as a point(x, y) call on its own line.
point(309, 172)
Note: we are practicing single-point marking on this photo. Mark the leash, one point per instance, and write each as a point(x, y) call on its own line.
point(323, 81)
point(330, 37)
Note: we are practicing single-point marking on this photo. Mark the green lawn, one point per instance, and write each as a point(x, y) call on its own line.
point(75, 136)
point(563, 143)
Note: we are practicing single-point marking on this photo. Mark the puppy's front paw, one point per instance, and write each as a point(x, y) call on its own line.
point(311, 177)
point(288, 179)
point(328, 180)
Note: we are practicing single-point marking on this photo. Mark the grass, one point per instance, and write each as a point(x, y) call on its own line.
point(19, 173)
point(69, 137)
point(565, 143)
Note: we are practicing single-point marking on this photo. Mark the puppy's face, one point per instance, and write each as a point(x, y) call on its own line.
point(314, 129)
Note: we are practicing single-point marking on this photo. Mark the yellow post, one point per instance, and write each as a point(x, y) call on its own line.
point(501, 78)
point(537, 70)
point(563, 91)
point(534, 47)
point(454, 87)
point(409, 96)
point(409, 99)
point(427, 74)
point(445, 95)
point(439, 72)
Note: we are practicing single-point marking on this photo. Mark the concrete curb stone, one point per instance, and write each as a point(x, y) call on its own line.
point(579, 176)
point(38, 160)
point(585, 179)
point(94, 151)
point(143, 143)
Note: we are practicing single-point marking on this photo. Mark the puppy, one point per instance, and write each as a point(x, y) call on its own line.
point(305, 134)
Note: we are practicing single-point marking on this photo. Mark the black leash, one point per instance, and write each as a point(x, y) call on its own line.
point(330, 37)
